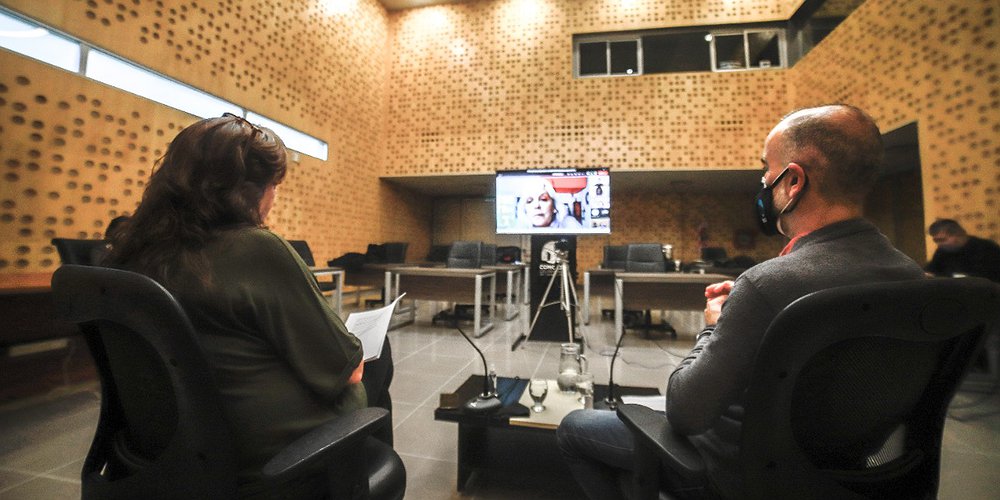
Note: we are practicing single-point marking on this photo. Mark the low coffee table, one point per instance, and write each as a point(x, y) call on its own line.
point(509, 444)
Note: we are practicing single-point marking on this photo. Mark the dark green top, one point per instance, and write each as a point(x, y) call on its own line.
point(282, 357)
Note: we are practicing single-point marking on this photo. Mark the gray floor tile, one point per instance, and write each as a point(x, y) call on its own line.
point(41, 488)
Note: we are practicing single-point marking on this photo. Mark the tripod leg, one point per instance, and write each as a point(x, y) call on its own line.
point(541, 304)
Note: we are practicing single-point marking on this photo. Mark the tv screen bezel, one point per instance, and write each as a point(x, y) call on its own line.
point(588, 172)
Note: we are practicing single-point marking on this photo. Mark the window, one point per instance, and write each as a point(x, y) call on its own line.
point(678, 50)
point(608, 56)
point(748, 49)
point(28, 38)
point(39, 43)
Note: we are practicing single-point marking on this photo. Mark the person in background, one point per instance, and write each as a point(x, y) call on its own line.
point(283, 361)
point(960, 254)
point(539, 208)
point(818, 166)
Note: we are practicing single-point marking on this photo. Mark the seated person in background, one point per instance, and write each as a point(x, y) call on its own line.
point(819, 164)
point(538, 208)
point(283, 360)
point(959, 253)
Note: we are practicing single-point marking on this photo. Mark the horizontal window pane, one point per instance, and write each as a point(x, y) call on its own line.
point(593, 58)
point(764, 52)
point(676, 53)
point(38, 43)
point(729, 52)
point(293, 139)
point(142, 82)
point(624, 58)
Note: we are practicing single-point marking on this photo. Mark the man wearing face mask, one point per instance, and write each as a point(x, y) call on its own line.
point(960, 254)
point(818, 166)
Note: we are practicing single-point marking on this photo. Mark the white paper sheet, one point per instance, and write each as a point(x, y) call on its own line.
point(371, 327)
point(657, 403)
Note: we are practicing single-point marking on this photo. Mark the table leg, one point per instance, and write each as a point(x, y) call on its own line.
point(477, 313)
point(471, 449)
point(389, 297)
point(493, 298)
point(509, 306)
point(586, 298)
point(340, 293)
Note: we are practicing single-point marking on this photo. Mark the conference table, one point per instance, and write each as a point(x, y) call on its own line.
point(448, 285)
point(663, 291)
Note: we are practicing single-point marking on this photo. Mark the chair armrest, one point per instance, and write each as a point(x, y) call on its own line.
point(652, 430)
point(326, 440)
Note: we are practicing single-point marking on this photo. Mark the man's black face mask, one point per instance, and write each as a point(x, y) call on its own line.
point(764, 205)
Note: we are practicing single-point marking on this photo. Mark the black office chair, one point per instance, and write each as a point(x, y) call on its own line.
point(488, 255)
point(302, 248)
point(162, 433)
point(395, 251)
point(848, 395)
point(461, 255)
point(646, 258)
point(465, 254)
point(615, 256)
point(438, 253)
point(715, 256)
point(508, 254)
point(79, 252)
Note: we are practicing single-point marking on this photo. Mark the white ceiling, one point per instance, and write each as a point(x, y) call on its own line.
point(409, 4)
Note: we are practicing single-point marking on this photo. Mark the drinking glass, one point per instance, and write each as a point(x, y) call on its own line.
point(585, 388)
point(538, 389)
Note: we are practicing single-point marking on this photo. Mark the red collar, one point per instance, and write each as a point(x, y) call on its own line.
point(791, 243)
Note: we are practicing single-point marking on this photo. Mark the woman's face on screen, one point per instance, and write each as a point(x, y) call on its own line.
point(539, 208)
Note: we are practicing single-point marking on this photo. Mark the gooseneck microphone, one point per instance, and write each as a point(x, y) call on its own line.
point(610, 400)
point(487, 401)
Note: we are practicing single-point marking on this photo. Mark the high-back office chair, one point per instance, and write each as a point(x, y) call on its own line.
point(615, 256)
point(848, 396)
point(395, 251)
point(162, 433)
point(79, 252)
point(438, 253)
point(714, 255)
point(508, 254)
point(302, 248)
point(488, 255)
point(465, 254)
point(645, 258)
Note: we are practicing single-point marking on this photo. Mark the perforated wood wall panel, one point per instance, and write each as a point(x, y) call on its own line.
point(322, 72)
point(936, 62)
point(488, 85)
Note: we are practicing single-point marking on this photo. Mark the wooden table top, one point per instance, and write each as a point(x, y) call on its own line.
point(25, 282)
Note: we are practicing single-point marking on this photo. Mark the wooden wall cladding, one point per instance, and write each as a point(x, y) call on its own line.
point(76, 153)
point(488, 85)
point(931, 61)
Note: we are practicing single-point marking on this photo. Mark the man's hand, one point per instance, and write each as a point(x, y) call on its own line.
point(716, 294)
point(357, 374)
point(716, 289)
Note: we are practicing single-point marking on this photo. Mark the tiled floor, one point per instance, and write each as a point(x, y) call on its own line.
point(43, 442)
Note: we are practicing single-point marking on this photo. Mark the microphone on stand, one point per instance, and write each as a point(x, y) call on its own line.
point(609, 400)
point(487, 401)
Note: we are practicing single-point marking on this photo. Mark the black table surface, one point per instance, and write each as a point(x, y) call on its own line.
point(472, 386)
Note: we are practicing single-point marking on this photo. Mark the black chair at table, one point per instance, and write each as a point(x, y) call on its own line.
point(161, 432)
point(508, 254)
point(302, 248)
point(461, 255)
point(848, 396)
point(438, 253)
point(615, 257)
point(80, 252)
point(646, 258)
point(395, 251)
point(488, 255)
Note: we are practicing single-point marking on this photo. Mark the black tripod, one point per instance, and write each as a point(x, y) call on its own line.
point(567, 298)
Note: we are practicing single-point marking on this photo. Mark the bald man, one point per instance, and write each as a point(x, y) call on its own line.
point(818, 166)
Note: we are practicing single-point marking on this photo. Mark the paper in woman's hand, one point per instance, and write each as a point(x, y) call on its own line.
point(370, 327)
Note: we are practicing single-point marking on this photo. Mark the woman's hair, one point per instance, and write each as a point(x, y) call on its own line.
point(212, 178)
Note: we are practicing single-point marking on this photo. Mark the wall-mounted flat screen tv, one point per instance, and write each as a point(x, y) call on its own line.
point(553, 201)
